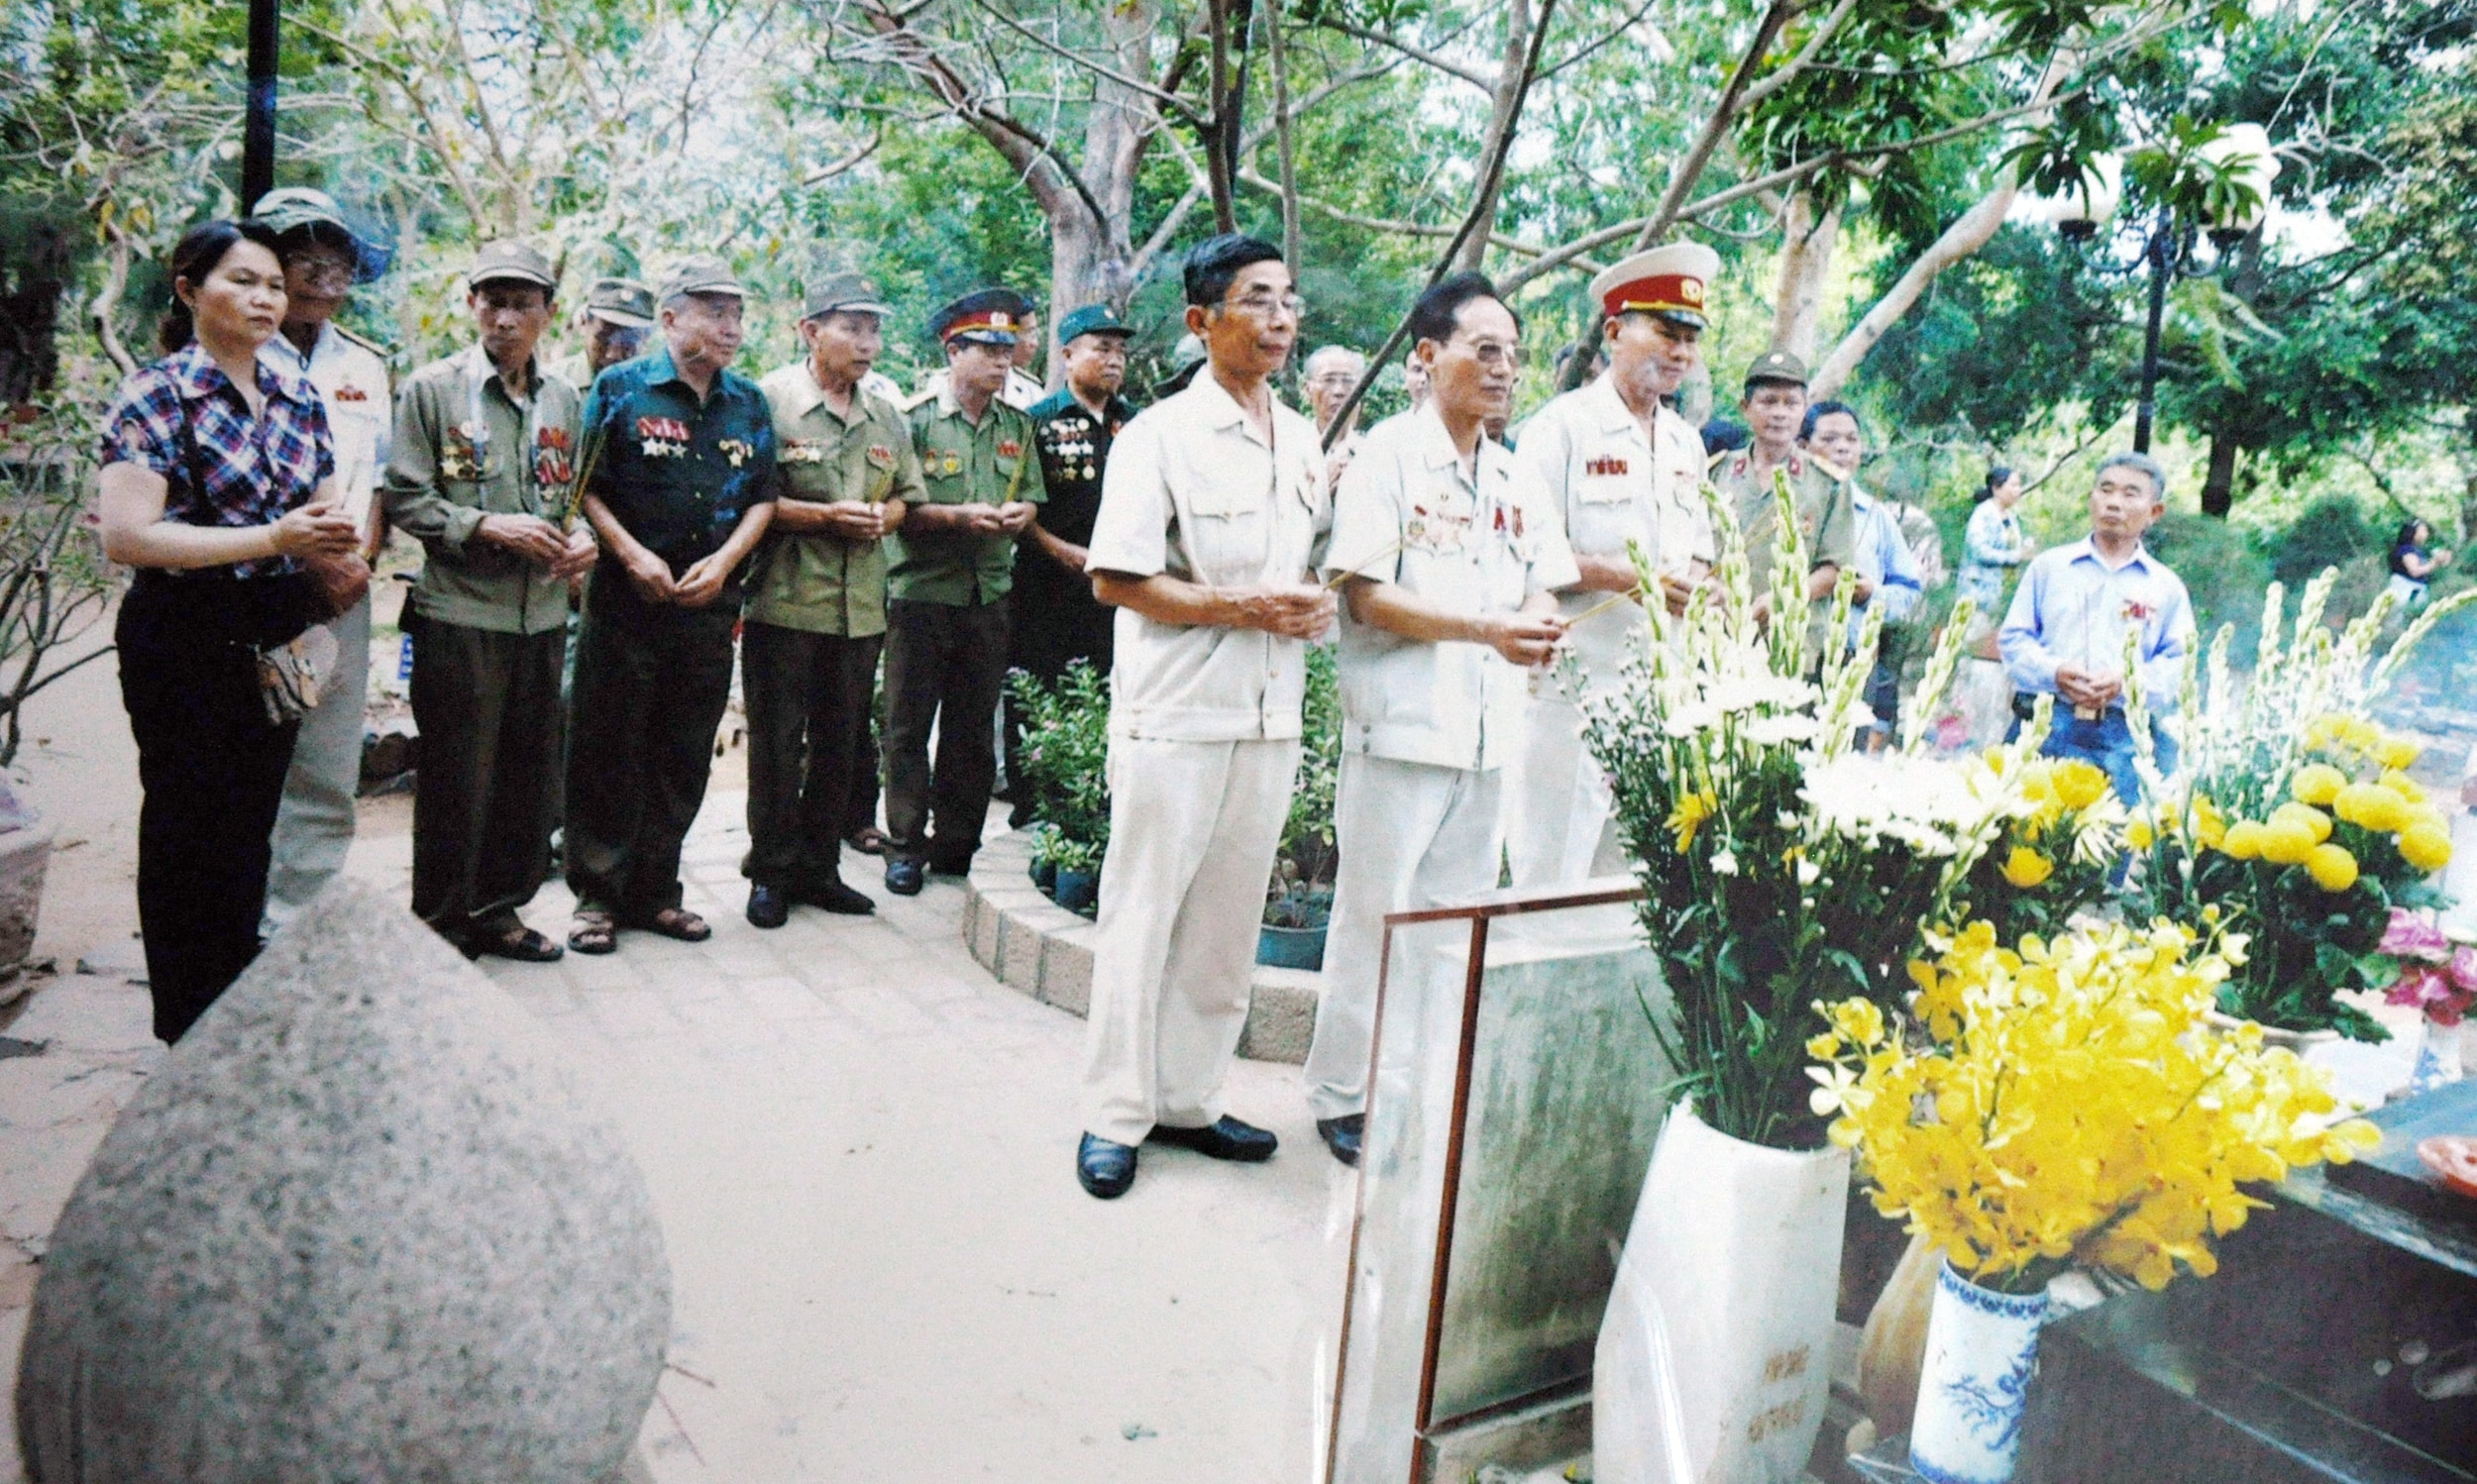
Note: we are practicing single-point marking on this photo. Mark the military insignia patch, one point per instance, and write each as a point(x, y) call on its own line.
point(1604, 465)
point(1008, 448)
point(881, 456)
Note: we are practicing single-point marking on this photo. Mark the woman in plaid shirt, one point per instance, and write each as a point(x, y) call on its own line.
point(218, 484)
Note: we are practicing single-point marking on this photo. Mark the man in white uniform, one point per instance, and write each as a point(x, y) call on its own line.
point(1211, 509)
point(314, 826)
point(1451, 559)
point(1621, 467)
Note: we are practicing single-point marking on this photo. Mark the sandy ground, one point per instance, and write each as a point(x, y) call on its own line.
point(860, 1147)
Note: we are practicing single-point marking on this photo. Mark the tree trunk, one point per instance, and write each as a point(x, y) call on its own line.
point(1506, 102)
point(2218, 487)
point(1805, 264)
point(1964, 237)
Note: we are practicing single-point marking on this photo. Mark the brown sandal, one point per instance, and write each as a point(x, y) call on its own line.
point(675, 922)
point(593, 932)
point(520, 943)
point(869, 841)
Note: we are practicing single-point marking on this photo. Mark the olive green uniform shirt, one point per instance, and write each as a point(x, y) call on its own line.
point(1827, 519)
point(445, 474)
point(961, 464)
point(817, 581)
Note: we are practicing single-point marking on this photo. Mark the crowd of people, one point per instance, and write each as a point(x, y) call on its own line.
point(606, 540)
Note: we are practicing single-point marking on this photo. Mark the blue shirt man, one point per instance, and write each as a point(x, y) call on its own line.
point(1885, 564)
point(2084, 612)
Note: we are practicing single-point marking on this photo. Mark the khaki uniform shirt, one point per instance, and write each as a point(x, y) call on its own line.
point(351, 376)
point(1474, 544)
point(963, 464)
point(817, 581)
point(1194, 492)
point(1827, 517)
point(446, 471)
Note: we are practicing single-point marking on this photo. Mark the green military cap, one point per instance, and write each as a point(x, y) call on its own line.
point(1093, 319)
point(844, 293)
point(622, 301)
point(510, 260)
point(297, 208)
point(703, 273)
point(1777, 366)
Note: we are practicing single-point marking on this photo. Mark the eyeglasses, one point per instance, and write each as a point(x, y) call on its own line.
point(1262, 303)
point(327, 274)
point(1495, 353)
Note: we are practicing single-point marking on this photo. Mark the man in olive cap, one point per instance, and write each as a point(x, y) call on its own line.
point(845, 474)
point(1056, 619)
point(1776, 410)
point(680, 488)
point(322, 261)
point(952, 566)
point(615, 319)
point(484, 460)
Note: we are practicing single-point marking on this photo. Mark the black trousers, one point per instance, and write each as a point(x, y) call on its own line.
point(212, 772)
point(944, 665)
point(1056, 622)
point(808, 698)
point(486, 794)
point(652, 682)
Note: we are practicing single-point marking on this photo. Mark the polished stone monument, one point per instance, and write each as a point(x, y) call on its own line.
point(360, 1225)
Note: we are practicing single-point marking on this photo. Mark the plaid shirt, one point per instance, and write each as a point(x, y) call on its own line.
point(252, 470)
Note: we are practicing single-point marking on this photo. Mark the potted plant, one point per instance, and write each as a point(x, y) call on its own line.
point(2059, 1104)
point(1298, 901)
point(2291, 815)
point(1065, 768)
point(1777, 865)
point(1077, 886)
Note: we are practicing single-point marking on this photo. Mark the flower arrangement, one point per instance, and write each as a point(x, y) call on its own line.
point(2059, 851)
point(1776, 861)
point(2304, 838)
point(2065, 1104)
point(2438, 977)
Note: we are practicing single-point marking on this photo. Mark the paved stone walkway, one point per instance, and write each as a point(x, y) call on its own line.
point(860, 1145)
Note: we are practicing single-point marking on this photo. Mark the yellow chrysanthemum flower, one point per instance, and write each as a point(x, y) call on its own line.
point(2317, 783)
point(1688, 817)
point(2401, 783)
point(2243, 839)
point(2286, 841)
point(2209, 825)
point(2371, 806)
point(2026, 868)
point(2331, 867)
point(2395, 752)
point(2426, 845)
point(2316, 822)
point(2079, 783)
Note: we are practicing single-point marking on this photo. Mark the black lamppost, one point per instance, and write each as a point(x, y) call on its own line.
point(258, 125)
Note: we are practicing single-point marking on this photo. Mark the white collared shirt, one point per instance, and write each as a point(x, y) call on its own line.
point(353, 383)
point(1193, 491)
point(1609, 484)
point(1405, 513)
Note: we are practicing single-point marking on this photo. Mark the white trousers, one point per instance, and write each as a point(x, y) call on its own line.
point(1193, 827)
point(1561, 825)
point(314, 825)
point(1411, 836)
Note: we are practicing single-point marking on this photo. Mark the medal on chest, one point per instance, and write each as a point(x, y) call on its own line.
point(1607, 465)
point(1442, 527)
point(1008, 448)
point(458, 460)
point(663, 437)
point(552, 463)
point(739, 450)
point(802, 451)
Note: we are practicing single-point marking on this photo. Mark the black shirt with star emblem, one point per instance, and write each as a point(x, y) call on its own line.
point(677, 472)
point(1056, 618)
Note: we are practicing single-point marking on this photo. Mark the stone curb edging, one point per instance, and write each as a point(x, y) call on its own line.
point(1031, 943)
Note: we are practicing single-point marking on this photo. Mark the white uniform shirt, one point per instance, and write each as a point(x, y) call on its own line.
point(1193, 491)
point(1608, 484)
point(1405, 513)
point(353, 381)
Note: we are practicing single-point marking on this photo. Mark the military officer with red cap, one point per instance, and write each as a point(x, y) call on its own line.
point(1623, 467)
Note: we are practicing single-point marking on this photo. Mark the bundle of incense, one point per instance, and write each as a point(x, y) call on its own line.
point(1361, 571)
point(584, 476)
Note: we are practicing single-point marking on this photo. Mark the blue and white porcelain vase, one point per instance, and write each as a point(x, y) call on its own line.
point(1982, 1347)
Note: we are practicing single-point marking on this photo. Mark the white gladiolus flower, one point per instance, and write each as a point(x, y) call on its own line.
point(1724, 862)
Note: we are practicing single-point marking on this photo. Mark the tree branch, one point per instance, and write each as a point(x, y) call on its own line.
point(1445, 64)
point(1170, 101)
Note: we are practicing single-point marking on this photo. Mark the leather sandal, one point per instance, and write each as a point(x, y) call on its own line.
point(675, 922)
point(520, 943)
point(593, 932)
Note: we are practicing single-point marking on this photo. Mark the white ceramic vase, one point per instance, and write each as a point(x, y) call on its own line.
point(1715, 1358)
point(1981, 1349)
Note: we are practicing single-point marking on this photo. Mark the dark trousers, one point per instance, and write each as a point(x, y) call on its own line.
point(861, 813)
point(652, 682)
point(808, 698)
point(486, 798)
point(212, 772)
point(945, 665)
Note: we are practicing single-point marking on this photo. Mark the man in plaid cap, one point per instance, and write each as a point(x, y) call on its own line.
point(485, 459)
point(680, 486)
point(952, 566)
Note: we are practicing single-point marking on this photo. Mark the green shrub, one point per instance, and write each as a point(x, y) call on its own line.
point(1307, 855)
point(1064, 762)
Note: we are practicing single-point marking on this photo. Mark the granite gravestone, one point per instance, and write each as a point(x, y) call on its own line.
point(359, 1227)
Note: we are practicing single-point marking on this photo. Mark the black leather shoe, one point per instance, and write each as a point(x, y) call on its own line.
point(1105, 1169)
point(1342, 1136)
point(1224, 1139)
point(950, 864)
point(903, 878)
point(835, 897)
point(768, 906)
